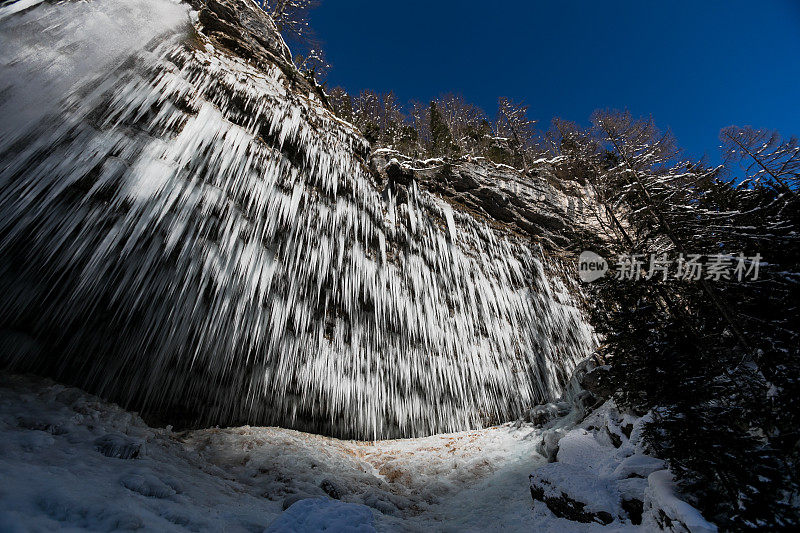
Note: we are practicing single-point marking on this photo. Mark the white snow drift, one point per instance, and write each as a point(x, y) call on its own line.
point(70, 460)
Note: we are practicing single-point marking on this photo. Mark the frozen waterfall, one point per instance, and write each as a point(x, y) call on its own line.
point(183, 231)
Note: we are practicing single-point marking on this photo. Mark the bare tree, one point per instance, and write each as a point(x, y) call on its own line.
point(367, 114)
point(467, 122)
point(380, 118)
point(342, 104)
point(650, 169)
point(567, 138)
point(512, 122)
point(313, 63)
point(768, 158)
point(292, 19)
point(420, 120)
point(580, 155)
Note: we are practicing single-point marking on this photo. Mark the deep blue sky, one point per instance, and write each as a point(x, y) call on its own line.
point(696, 66)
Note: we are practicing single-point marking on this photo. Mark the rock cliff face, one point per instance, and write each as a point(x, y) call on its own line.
point(187, 229)
point(542, 206)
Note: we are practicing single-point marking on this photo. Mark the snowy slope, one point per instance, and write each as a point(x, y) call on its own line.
point(238, 479)
point(71, 461)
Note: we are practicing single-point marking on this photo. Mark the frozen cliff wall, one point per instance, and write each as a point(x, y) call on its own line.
point(185, 228)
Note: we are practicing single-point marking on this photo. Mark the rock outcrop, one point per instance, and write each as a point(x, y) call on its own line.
point(537, 206)
point(599, 471)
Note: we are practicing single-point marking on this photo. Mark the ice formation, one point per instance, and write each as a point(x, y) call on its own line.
point(182, 230)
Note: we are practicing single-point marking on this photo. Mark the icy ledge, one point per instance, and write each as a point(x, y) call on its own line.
point(70, 460)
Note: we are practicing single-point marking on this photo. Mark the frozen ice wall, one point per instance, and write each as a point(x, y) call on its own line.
point(185, 233)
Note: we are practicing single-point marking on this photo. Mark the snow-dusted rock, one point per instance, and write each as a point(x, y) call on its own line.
point(602, 474)
point(542, 414)
point(118, 446)
point(548, 443)
point(332, 489)
point(598, 381)
point(526, 204)
point(320, 514)
point(664, 510)
point(575, 493)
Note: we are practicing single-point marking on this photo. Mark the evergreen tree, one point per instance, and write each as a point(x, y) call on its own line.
point(441, 138)
point(721, 378)
point(342, 104)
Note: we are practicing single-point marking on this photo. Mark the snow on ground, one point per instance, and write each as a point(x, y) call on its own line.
point(68, 460)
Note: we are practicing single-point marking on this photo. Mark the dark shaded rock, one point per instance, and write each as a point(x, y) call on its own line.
point(118, 446)
point(212, 22)
point(332, 489)
point(464, 182)
point(616, 440)
point(292, 499)
point(586, 399)
point(626, 429)
point(495, 204)
point(574, 493)
point(397, 173)
point(665, 523)
point(565, 507)
point(542, 414)
point(599, 382)
point(400, 193)
point(634, 508)
point(220, 10)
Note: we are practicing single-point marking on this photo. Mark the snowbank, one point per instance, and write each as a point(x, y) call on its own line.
point(661, 502)
point(602, 474)
point(320, 514)
point(70, 460)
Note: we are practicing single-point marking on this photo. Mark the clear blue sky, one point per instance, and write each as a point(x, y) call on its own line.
point(696, 66)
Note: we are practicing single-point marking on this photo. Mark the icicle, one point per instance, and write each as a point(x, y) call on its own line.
point(186, 232)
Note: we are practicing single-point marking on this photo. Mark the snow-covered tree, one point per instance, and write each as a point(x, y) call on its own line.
point(441, 136)
point(467, 122)
point(704, 357)
point(512, 122)
point(764, 155)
